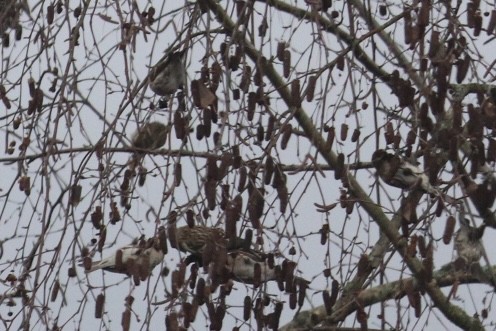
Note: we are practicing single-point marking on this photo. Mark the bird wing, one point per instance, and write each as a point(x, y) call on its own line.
point(243, 267)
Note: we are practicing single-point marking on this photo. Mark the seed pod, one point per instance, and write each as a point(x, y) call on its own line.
point(236, 94)
point(310, 92)
point(281, 46)
point(439, 207)
point(477, 24)
point(331, 133)
point(77, 12)
point(292, 301)
point(207, 121)
point(491, 151)
point(243, 174)
point(295, 93)
point(126, 320)
point(397, 140)
point(101, 238)
point(171, 322)
point(282, 194)
point(114, 214)
point(286, 134)
point(286, 62)
point(270, 260)
point(75, 196)
point(248, 239)
point(71, 272)
point(410, 138)
point(252, 102)
point(279, 178)
point(260, 133)
point(193, 276)
point(492, 22)
point(449, 229)
point(389, 134)
point(340, 63)
point(258, 77)
point(270, 127)
point(100, 300)
point(355, 136)
point(256, 206)
point(324, 232)
point(344, 131)
point(179, 125)
point(268, 170)
point(141, 176)
point(97, 217)
point(212, 169)
point(417, 304)
point(302, 289)
point(462, 68)
point(50, 14)
point(382, 9)
point(226, 161)
point(338, 172)
point(327, 302)
point(55, 291)
point(435, 44)
point(423, 15)
point(177, 174)
point(210, 188)
point(244, 85)
point(200, 131)
point(5, 40)
point(424, 62)
point(422, 246)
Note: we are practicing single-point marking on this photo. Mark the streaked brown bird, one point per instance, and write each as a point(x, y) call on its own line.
point(468, 243)
point(150, 136)
point(142, 255)
point(397, 172)
point(194, 239)
point(169, 76)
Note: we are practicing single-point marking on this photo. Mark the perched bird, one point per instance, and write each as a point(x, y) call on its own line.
point(195, 239)
point(142, 255)
point(400, 173)
point(249, 267)
point(151, 136)
point(167, 77)
point(232, 259)
point(468, 243)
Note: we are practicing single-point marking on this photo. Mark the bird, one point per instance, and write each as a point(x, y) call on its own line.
point(468, 243)
point(143, 254)
point(242, 266)
point(194, 239)
point(230, 259)
point(151, 136)
point(169, 76)
point(400, 173)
